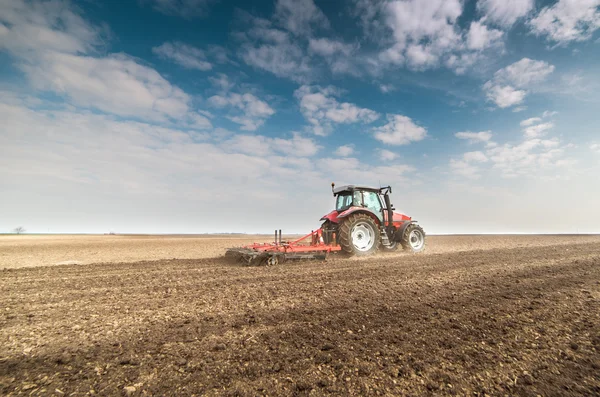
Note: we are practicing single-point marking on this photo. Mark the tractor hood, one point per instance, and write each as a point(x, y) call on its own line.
point(335, 216)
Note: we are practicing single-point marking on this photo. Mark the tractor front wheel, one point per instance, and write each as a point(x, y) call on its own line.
point(359, 235)
point(413, 239)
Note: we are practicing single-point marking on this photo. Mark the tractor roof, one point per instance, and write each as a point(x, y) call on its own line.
point(351, 188)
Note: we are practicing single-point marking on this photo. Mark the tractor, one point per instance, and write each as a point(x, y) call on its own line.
point(362, 222)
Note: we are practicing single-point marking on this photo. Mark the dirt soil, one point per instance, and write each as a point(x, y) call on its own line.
point(488, 315)
point(47, 250)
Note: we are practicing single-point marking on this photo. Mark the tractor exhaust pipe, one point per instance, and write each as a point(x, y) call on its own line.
point(390, 214)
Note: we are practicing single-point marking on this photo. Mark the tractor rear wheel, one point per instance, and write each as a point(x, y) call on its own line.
point(359, 235)
point(413, 238)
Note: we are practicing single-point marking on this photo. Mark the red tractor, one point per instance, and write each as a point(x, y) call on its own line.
point(362, 222)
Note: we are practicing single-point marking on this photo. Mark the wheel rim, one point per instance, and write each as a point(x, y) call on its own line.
point(363, 236)
point(416, 239)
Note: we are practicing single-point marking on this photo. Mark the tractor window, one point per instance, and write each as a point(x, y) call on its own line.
point(343, 201)
point(372, 201)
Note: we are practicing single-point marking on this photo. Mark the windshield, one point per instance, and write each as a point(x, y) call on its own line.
point(343, 201)
point(357, 198)
point(346, 200)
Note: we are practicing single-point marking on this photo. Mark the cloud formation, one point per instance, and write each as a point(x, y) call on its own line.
point(184, 55)
point(567, 21)
point(254, 111)
point(400, 130)
point(504, 12)
point(322, 110)
point(510, 84)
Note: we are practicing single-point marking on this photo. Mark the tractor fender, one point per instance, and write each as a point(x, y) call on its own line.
point(332, 217)
point(359, 210)
point(400, 232)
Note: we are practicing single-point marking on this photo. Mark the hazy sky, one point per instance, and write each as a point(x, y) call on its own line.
point(192, 116)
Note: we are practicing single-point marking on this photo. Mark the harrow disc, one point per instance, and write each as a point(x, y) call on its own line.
point(250, 257)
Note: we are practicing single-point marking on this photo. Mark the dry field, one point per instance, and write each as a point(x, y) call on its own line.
point(474, 315)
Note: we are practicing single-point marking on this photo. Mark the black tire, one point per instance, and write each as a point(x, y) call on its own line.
point(391, 248)
point(362, 226)
point(413, 239)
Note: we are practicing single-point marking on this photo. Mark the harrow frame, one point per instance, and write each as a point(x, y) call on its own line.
point(280, 251)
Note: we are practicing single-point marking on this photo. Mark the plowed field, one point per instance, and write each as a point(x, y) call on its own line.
point(475, 315)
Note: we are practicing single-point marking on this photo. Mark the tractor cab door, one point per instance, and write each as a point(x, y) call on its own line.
point(372, 202)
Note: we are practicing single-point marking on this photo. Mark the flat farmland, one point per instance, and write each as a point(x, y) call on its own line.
point(149, 315)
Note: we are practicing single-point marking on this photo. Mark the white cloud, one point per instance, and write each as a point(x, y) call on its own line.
point(115, 84)
point(258, 145)
point(464, 168)
point(221, 82)
point(132, 168)
point(595, 147)
point(29, 28)
point(299, 16)
point(386, 155)
point(344, 150)
point(475, 137)
point(567, 20)
point(298, 146)
point(536, 120)
point(281, 57)
point(339, 56)
point(538, 130)
point(530, 121)
point(475, 157)
point(58, 54)
point(185, 55)
point(400, 130)
point(519, 109)
point(503, 88)
point(279, 47)
point(181, 8)
point(505, 12)
point(255, 111)
point(349, 170)
point(328, 47)
point(385, 88)
point(527, 158)
point(481, 37)
point(322, 110)
point(426, 34)
point(198, 122)
point(462, 62)
point(535, 127)
point(503, 96)
point(413, 22)
point(524, 73)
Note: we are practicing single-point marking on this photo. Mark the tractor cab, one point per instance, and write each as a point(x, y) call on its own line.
point(359, 196)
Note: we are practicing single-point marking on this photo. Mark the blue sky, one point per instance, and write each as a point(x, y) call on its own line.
point(192, 116)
